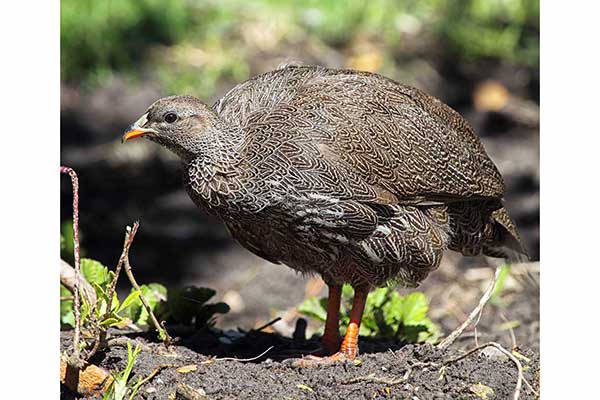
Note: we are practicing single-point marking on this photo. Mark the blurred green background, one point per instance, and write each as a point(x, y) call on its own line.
point(117, 57)
point(191, 46)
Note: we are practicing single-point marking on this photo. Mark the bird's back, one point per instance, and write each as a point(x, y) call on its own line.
point(409, 145)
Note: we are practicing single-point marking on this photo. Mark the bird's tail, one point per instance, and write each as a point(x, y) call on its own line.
point(506, 241)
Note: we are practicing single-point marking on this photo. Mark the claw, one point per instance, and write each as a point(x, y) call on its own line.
point(314, 361)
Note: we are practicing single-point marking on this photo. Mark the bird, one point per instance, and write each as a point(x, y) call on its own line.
point(340, 173)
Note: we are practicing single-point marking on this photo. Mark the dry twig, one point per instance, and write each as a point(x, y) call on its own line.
point(265, 326)
point(67, 278)
point(447, 342)
point(514, 359)
point(152, 375)
point(245, 359)
point(130, 233)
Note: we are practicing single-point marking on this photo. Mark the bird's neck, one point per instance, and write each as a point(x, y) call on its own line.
point(215, 152)
point(218, 146)
point(211, 170)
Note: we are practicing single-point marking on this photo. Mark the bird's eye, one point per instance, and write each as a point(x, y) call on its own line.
point(170, 117)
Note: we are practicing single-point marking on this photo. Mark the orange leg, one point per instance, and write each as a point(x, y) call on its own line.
point(330, 341)
point(350, 343)
point(349, 348)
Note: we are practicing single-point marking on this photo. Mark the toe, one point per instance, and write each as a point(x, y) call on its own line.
point(314, 361)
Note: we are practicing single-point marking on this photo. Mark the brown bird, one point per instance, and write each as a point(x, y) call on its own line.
point(341, 173)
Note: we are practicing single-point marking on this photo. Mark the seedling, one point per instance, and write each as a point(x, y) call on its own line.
point(121, 388)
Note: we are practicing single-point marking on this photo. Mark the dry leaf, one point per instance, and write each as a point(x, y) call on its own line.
point(187, 368)
point(304, 387)
point(482, 391)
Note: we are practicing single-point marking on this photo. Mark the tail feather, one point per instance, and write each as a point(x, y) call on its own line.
point(507, 241)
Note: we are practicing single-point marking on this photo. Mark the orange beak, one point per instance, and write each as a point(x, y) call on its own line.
point(136, 129)
point(133, 133)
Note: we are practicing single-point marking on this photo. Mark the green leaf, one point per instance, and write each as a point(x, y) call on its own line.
point(120, 378)
point(411, 333)
point(110, 321)
point(377, 297)
point(129, 300)
point(95, 272)
point(66, 241)
point(205, 313)
point(85, 309)
point(158, 291)
point(162, 335)
point(67, 317)
point(184, 304)
point(414, 307)
point(431, 335)
point(496, 298)
point(347, 292)
point(196, 295)
point(154, 294)
point(393, 310)
point(66, 308)
point(115, 304)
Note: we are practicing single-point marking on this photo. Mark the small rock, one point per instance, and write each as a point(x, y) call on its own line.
point(493, 353)
point(186, 392)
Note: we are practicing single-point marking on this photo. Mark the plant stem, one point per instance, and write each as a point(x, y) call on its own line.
point(76, 256)
point(130, 233)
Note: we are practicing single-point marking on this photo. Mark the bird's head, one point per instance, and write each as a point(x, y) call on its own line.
point(180, 123)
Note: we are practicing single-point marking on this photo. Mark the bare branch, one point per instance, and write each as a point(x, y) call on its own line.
point(67, 278)
point(130, 233)
point(447, 342)
point(245, 359)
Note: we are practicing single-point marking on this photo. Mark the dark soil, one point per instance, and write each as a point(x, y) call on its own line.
point(273, 376)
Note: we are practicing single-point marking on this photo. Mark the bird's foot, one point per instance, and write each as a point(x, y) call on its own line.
point(312, 361)
point(329, 346)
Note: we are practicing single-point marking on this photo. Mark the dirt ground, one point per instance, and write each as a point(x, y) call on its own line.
point(273, 377)
point(512, 321)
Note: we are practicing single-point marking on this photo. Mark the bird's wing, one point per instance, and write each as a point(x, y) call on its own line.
point(363, 135)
